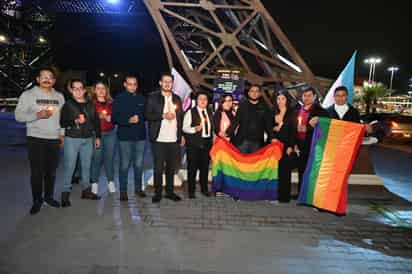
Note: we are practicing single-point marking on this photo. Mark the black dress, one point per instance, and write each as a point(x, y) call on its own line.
point(286, 135)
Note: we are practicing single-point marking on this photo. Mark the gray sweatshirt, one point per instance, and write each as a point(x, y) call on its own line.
point(31, 102)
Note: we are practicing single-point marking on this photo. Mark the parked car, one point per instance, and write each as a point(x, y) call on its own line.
point(389, 125)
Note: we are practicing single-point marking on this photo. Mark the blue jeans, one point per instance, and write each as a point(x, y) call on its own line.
point(74, 147)
point(131, 154)
point(104, 155)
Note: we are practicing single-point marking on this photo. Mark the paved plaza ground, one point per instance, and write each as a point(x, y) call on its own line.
point(207, 235)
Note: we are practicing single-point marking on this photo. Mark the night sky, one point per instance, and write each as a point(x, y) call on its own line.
point(325, 33)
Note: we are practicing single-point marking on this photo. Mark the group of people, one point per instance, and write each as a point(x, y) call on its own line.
point(88, 127)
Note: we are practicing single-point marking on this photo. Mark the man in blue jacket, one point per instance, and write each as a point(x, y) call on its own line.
point(128, 114)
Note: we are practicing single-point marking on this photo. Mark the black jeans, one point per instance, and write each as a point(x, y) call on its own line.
point(44, 159)
point(285, 178)
point(197, 159)
point(165, 157)
point(302, 162)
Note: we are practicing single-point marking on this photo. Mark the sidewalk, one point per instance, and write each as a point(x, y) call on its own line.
point(207, 235)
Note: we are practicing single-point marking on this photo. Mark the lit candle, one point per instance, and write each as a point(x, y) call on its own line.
point(300, 121)
point(81, 117)
point(50, 108)
point(104, 112)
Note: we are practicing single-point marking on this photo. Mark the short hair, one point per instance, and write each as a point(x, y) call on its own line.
point(310, 89)
point(130, 76)
point(77, 80)
point(49, 69)
point(166, 74)
point(199, 93)
point(254, 86)
point(341, 88)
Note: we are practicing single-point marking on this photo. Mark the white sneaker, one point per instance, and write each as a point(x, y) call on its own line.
point(95, 187)
point(111, 186)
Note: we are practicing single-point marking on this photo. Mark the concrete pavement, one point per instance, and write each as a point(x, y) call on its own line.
point(207, 235)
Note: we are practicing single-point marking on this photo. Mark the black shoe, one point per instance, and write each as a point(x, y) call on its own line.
point(35, 208)
point(123, 196)
point(76, 180)
point(173, 197)
point(141, 194)
point(51, 202)
point(156, 199)
point(206, 193)
point(192, 196)
point(87, 194)
point(65, 199)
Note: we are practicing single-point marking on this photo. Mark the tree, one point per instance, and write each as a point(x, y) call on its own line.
point(371, 93)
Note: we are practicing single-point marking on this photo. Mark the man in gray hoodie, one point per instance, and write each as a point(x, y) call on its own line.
point(40, 109)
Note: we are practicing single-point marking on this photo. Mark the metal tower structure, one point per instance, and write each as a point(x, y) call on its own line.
point(204, 35)
point(24, 46)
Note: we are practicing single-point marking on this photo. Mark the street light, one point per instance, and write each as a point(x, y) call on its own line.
point(101, 74)
point(115, 75)
point(372, 61)
point(392, 70)
point(42, 40)
point(3, 38)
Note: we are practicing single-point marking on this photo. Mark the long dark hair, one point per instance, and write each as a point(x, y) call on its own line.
point(289, 106)
point(222, 100)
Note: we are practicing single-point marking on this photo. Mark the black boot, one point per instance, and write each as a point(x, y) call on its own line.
point(36, 207)
point(65, 199)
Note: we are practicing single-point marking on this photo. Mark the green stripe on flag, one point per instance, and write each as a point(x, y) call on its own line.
point(324, 124)
point(265, 174)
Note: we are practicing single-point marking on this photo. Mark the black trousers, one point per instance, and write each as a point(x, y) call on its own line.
point(197, 160)
point(44, 159)
point(302, 162)
point(285, 178)
point(249, 146)
point(165, 158)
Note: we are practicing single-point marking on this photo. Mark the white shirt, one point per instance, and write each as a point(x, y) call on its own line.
point(168, 128)
point(187, 123)
point(341, 110)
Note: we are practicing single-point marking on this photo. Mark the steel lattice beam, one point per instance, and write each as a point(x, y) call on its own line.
point(204, 35)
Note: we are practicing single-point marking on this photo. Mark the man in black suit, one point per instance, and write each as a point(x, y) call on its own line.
point(308, 116)
point(165, 117)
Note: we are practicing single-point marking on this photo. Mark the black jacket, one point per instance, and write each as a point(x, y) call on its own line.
point(287, 133)
point(352, 115)
point(71, 111)
point(195, 139)
point(154, 112)
point(218, 117)
point(251, 122)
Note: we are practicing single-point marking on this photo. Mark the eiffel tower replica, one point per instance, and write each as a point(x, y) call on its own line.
point(205, 35)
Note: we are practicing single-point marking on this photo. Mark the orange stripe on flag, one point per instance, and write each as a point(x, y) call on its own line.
point(326, 176)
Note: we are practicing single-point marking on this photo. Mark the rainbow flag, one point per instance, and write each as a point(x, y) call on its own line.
point(335, 145)
point(251, 176)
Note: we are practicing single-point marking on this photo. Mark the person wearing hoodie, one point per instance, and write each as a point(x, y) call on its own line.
point(40, 109)
point(81, 122)
point(253, 119)
point(128, 115)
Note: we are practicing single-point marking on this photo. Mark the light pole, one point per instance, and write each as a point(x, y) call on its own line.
point(392, 70)
point(372, 61)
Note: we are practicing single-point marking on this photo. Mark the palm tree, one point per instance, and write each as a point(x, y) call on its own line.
point(371, 93)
